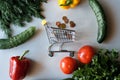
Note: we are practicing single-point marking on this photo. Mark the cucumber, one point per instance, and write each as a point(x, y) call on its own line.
point(101, 20)
point(18, 39)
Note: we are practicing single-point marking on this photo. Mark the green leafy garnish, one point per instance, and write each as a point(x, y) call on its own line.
point(18, 11)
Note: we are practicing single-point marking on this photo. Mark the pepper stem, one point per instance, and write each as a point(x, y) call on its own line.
point(20, 58)
point(68, 2)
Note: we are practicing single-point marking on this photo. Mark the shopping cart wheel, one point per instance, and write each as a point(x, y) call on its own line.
point(51, 54)
point(72, 53)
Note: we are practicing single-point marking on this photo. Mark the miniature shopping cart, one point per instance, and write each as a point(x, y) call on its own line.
point(57, 35)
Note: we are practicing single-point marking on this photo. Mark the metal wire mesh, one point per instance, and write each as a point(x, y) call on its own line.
point(57, 35)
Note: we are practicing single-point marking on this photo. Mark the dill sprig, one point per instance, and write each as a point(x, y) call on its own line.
point(17, 12)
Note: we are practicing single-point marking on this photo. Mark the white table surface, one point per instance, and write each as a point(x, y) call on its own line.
point(44, 67)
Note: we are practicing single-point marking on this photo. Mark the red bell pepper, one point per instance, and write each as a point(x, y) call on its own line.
point(19, 66)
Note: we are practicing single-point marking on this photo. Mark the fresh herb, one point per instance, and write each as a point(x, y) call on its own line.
point(18, 11)
point(104, 66)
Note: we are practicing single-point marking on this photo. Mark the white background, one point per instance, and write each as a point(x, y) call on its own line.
point(44, 67)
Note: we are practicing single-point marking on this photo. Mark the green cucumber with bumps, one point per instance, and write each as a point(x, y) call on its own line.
point(18, 39)
point(101, 19)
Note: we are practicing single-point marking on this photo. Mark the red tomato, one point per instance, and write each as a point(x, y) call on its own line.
point(85, 54)
point(68, 65)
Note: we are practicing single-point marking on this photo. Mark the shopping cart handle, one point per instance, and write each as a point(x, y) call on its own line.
point(51, 53)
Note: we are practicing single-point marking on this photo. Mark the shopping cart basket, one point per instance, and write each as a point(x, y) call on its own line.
point(57, 35)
